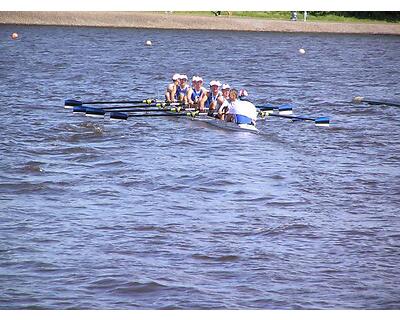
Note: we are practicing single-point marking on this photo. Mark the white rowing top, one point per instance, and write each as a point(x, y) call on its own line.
point(244, 108)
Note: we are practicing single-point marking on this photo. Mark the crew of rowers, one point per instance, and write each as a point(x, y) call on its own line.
point(220, 100)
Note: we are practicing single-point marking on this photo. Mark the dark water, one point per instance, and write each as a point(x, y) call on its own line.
point(171, 214)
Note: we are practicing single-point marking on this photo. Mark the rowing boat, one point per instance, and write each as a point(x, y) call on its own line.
point(155, 108)
point(215, 122)
point(232, 126)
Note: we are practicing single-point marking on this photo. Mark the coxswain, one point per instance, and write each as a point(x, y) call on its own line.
point(195, 92)
point(241, 112)
point(171, 89)
point(182, 89)
point(209, 98)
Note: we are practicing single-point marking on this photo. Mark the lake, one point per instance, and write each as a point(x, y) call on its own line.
point(165, 213)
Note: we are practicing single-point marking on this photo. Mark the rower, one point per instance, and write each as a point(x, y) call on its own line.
point(209, 98)
point(241, 112)
point(182, 89)
point(195, 92)
point(171, 89)
point(222, 108)
point(243, 95)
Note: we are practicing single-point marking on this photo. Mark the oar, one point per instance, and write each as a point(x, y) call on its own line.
point(376, 102)
point(282, 109)
point(70, 103)
point(97, 112)
point(319, 122)
point(159, 105)
point(83, 109)
point(124, 116)
point(90, 111)
point(177, 109)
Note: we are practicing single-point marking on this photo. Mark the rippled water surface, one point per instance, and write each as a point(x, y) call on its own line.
point(161, 213)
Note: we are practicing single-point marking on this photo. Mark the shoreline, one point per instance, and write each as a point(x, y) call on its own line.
point(151, 20)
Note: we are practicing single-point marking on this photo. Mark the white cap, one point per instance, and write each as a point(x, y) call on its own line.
point(243, 93)
point(183, 76)
point(215, 83)
point(225, 86)
point(176, 76)
point(197, 78)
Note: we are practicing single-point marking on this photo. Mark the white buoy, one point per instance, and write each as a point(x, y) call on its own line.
point(302, 51)
point(148, 43)
point(14, 36)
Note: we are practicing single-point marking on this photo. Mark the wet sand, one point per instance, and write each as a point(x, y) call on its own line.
point(177, 21)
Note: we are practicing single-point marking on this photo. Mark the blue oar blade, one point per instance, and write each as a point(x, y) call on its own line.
point(70, 103)
point(322, 122)
point(266, 109)
point(285, 109)
point(118, 116)
point(79, 109)
point(268, 105)
point(95, 112)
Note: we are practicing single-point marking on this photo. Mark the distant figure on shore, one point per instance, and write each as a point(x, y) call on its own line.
point(293, 15)
point(218, 13)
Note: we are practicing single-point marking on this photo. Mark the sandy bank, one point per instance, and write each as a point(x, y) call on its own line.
point(174, 21)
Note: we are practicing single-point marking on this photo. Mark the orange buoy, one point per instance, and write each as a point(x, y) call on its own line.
point(14, 36)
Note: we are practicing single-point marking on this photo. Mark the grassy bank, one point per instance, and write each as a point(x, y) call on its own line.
point(285, 15)
point(186, 20)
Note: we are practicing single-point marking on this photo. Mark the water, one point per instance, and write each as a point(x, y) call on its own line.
point(171, 214)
